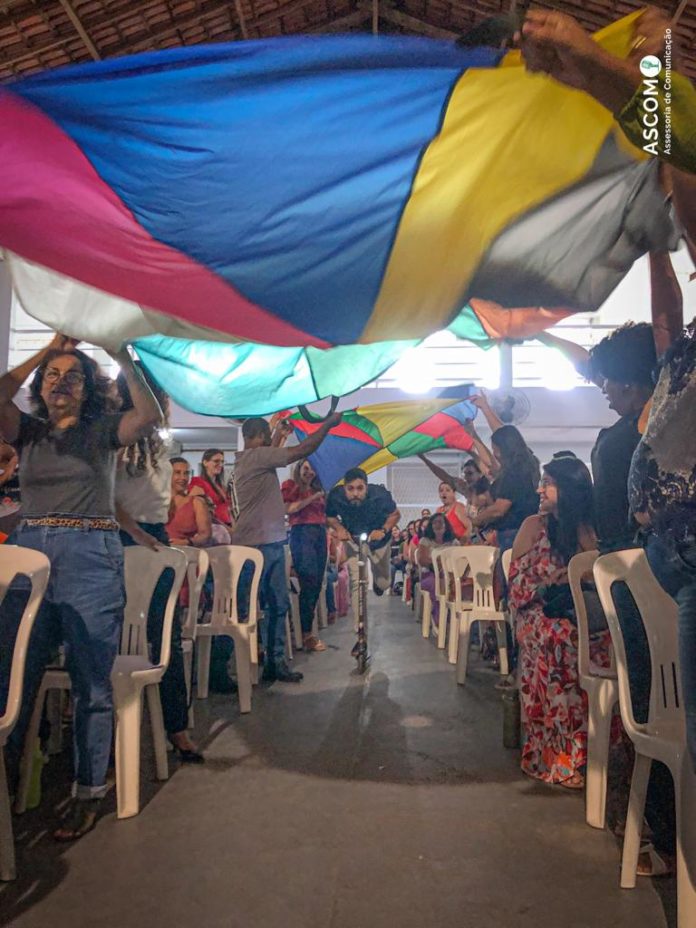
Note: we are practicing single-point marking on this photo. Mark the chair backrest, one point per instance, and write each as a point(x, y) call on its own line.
point(658, 612)
point(481, 561)
point(226, 563)
point(440, 560)
point(578, 567)
point(16, 561)
point(143, 569)
point(506, 560)
point(197, 563)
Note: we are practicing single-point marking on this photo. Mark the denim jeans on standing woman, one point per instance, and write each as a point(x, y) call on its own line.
point(309, 552)
point(82, 608)
point(675, 570)
point(173, 685)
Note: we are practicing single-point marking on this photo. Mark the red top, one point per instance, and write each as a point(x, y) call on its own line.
point(216, 497)
point(182, 523)
point(459, 528)
point(313, 514)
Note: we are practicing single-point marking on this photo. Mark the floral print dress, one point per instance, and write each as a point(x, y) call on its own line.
point(554, 708)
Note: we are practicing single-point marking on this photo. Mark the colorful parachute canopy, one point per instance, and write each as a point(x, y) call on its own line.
point(373, 436)
point(319, 191)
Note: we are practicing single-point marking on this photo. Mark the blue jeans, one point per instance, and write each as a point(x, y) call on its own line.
point(83, 608)
point(275, 599)
point(331, 578)
point(675, 570)
point(308, 547)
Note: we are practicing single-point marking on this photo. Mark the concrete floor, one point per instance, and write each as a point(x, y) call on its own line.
point(344, 802)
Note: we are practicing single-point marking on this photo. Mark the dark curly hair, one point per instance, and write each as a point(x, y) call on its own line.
point(136, 456)
point(430, 531)
point(99, 399)
point(626, 356)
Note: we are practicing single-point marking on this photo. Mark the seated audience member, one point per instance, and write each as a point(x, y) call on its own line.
point(454, 511)
point(68, 452)
point(397, 562)
point(143, 492)
point(554, 708)
point(210, 483)
point(190, 521)
point(305, 506)
point(357, 508)
point(425, 513)
point(9, 491)
point(261, 525)
point(438, 534)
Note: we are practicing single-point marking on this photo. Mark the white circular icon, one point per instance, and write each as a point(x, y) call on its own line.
point(650, 66)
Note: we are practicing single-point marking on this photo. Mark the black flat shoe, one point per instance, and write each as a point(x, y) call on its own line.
point(284, 675)
point(187, 756)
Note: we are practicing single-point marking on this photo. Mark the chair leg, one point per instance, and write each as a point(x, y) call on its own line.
point(128, 702)
point(634, 820)
point(453, 646)
point(242, 656)
point(685, 793)
point(463, 654)
point(442, 626)
point(8, 869)
point(154, 706)
point(27, 760)
point(425, 614)
point(203, 647)
point(598, 737)
point(500, 634)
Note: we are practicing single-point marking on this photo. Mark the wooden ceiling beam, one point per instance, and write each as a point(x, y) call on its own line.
point(80, 29)
point(242, 21)
point(419, 26)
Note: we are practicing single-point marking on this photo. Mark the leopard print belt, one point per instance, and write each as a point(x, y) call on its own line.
point(102, 525)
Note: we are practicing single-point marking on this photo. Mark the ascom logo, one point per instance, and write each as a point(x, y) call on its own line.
point(650, 66)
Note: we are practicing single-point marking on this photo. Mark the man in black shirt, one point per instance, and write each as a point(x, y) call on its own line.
point(358, 508)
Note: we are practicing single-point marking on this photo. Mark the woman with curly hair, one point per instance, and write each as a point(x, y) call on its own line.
point(143, 492)
point(68, 448)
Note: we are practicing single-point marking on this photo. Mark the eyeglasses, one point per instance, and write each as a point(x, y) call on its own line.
point(72, 378)
point(545, 484)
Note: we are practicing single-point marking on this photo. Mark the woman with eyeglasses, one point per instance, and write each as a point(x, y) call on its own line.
point(190, 522)
point(554, 708)
point(210, 483)
point(68, 449)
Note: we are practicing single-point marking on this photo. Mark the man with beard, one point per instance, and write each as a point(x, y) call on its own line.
point(358, 508)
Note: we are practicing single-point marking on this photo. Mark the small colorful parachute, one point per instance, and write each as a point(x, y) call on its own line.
point(373, 436)
point(312, 192)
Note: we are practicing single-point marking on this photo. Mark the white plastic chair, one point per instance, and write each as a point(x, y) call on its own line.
point(602, 688)
point(505, 561)
point(439, 556)
point(481, 561)
point(196, 571)
point(55, 681)
point(134, 670)
point(663, 736)
point(226, 563)
point(16, 561)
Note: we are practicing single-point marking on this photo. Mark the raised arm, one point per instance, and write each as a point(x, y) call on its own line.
point(146, 413)
point(312, 442)
point(578, 356)
point(492, 418)
point(442, 474)
point(13, 380)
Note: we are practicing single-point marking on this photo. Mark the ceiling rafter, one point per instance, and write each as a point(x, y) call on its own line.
point(80, 29)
